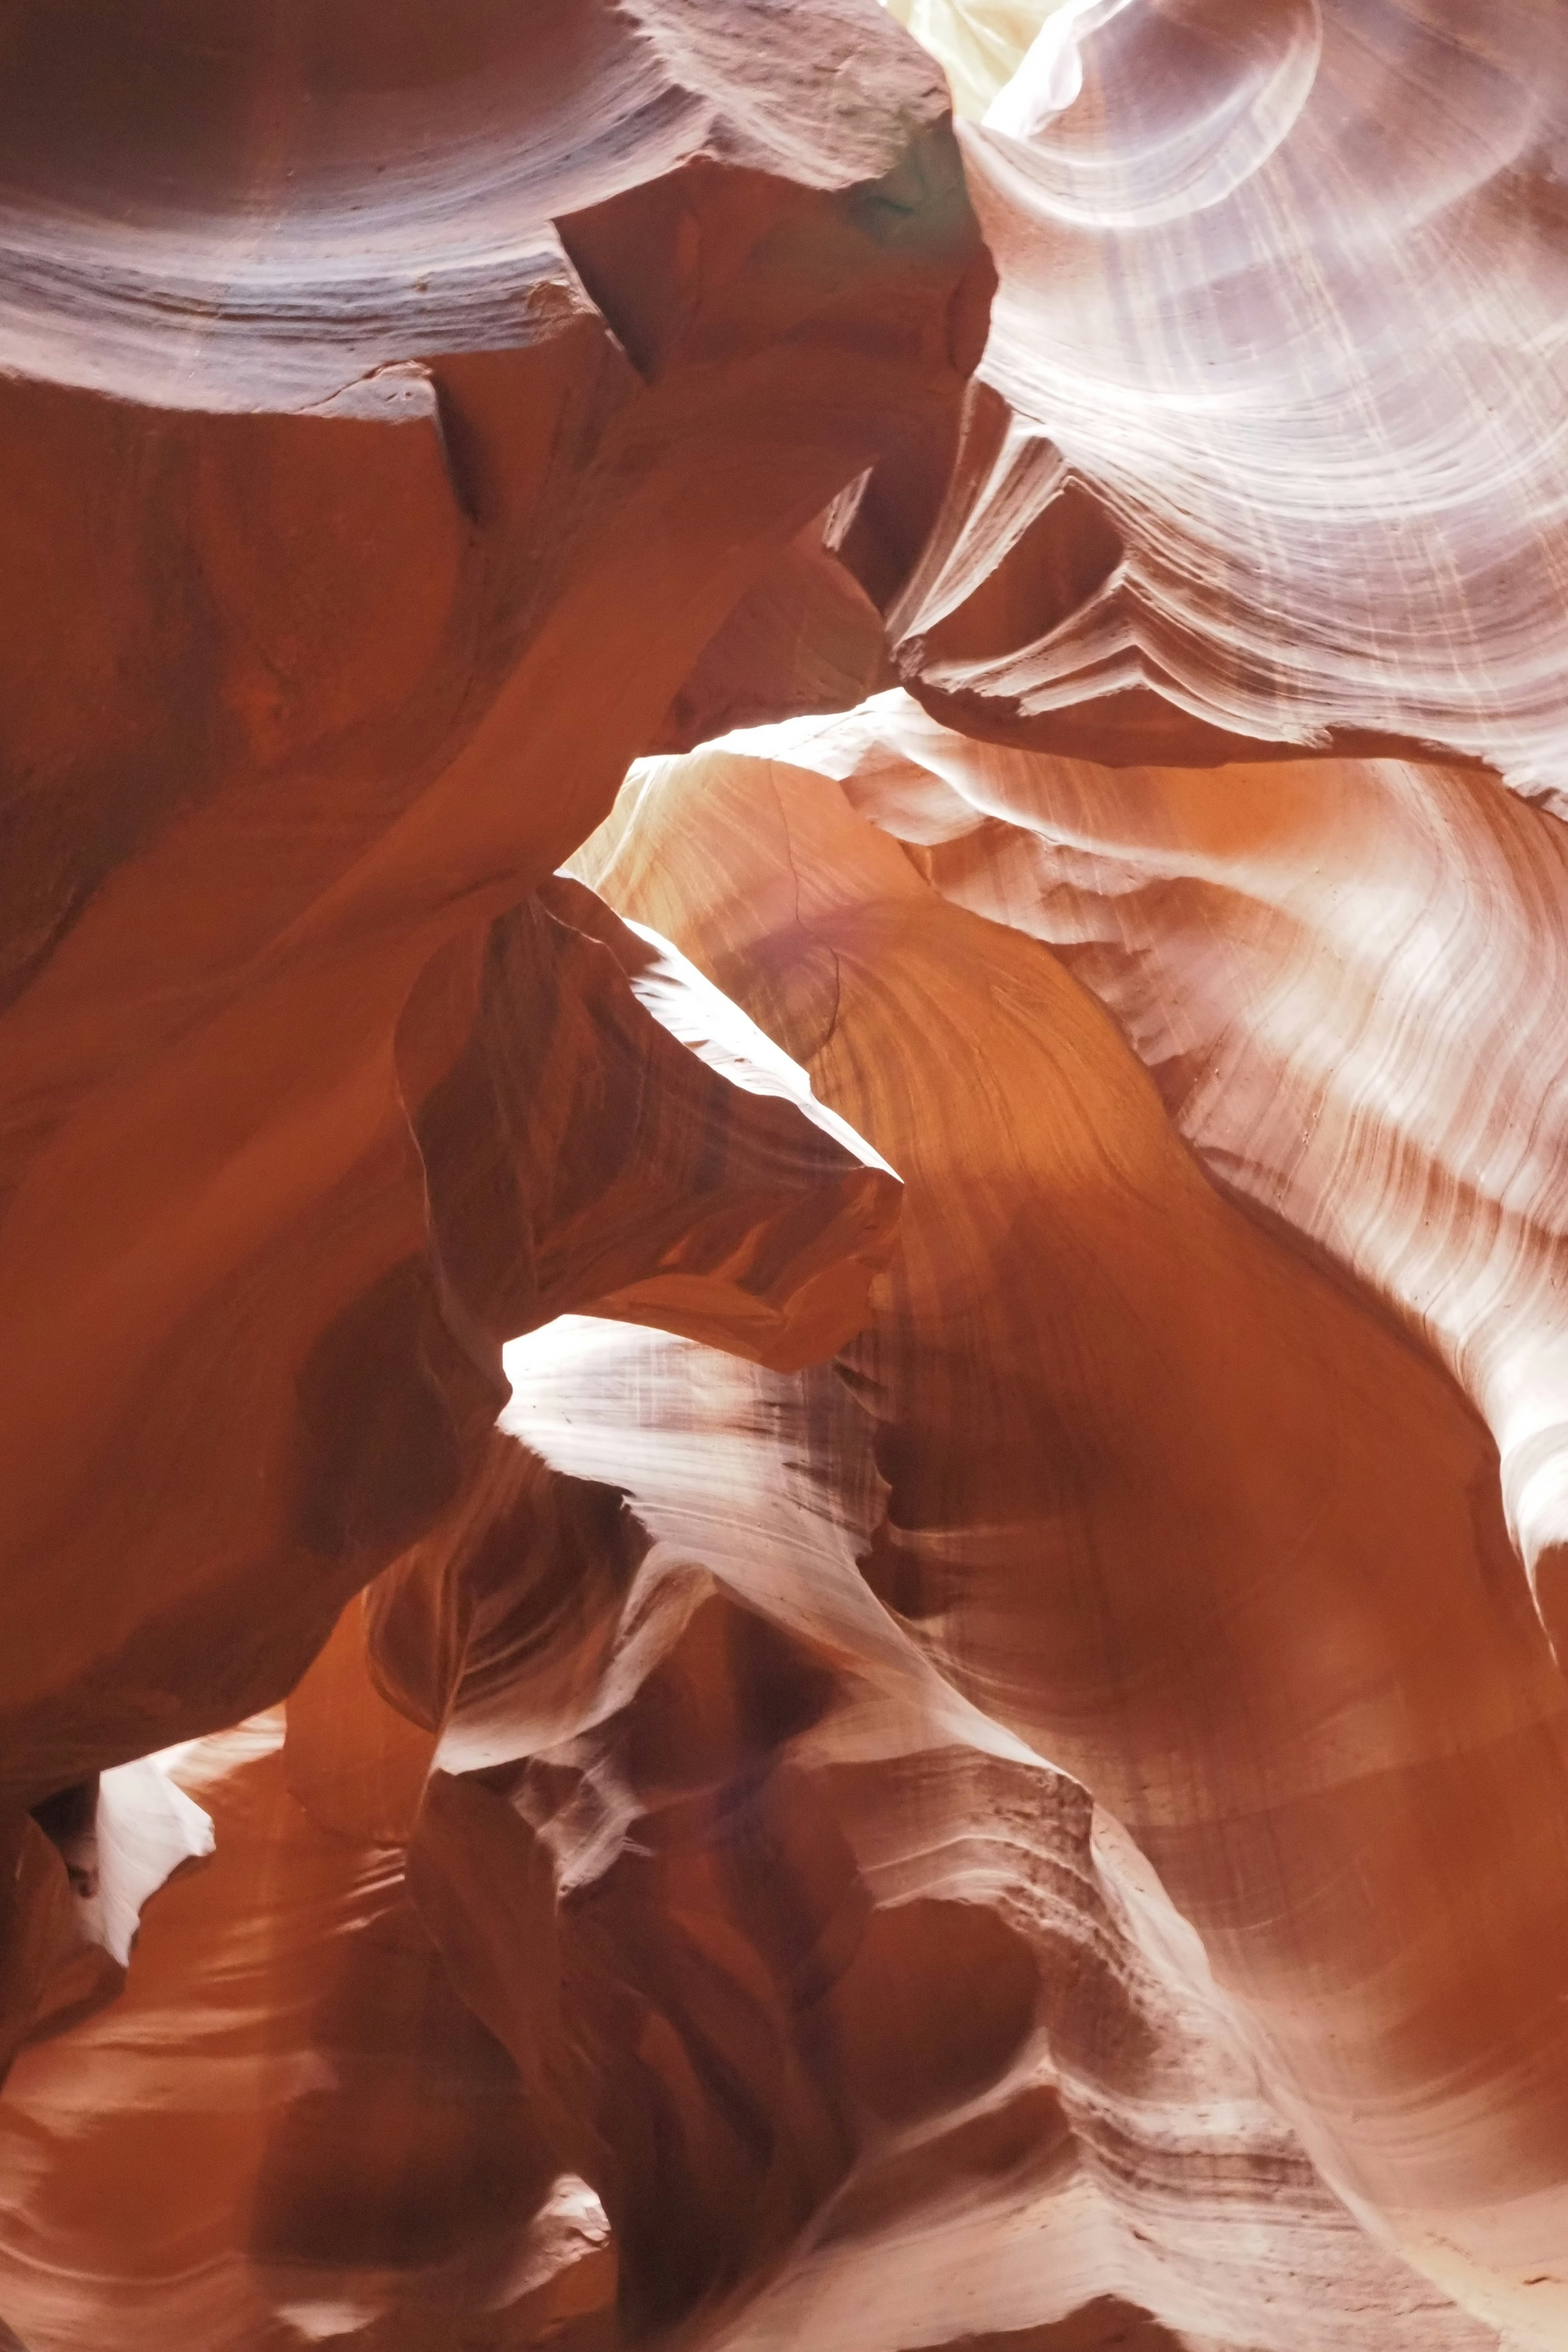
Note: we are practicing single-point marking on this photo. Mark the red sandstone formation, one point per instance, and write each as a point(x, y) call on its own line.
point(336, 467)
point(1344, 979)
point(951, 1749)
point(1161, 1495)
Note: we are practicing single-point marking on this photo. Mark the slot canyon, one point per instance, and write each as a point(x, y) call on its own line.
point(783, 1176)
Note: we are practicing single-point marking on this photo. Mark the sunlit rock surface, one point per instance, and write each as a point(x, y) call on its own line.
point(782, 1543)
point(1190, 1517)
point(1346, 979)
point(980, 43)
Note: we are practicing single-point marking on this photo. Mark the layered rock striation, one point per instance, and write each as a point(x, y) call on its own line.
point(1266, 451)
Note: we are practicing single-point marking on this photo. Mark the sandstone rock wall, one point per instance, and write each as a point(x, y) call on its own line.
point(781, 1099)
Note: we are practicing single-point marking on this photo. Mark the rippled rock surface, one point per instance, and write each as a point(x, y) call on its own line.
point(1266, 447)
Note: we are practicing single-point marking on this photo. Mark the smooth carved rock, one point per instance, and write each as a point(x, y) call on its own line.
point(334, 477)
point(1341, 977)
point(1043, 1834)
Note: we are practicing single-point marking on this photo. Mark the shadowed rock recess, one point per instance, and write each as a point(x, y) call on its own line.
point(783, 1176)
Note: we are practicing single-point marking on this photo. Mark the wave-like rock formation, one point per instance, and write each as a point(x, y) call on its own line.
point(1186, 1516)
point(362, 381)
point(1344, 978)
point(1267, 444)
point(829, 1986)
point(784, 1553)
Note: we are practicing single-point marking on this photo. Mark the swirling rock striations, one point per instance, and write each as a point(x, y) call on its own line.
point(968, 1762)
point(1266, 449)
point(1190, 1518)
point(800, 2000)
point(1342, 977)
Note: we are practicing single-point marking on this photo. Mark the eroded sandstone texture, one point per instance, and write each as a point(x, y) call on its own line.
point(782, 1090)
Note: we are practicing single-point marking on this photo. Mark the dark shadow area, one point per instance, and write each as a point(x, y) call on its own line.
point(1106, 2324)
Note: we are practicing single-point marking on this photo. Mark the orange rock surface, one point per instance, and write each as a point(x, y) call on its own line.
point(335, 465)
point(785, 1423)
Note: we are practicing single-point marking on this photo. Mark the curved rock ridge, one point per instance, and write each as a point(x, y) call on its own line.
point(1343, 977)
point(1189, 1516)
point(1269, 445)
point(258, 214)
